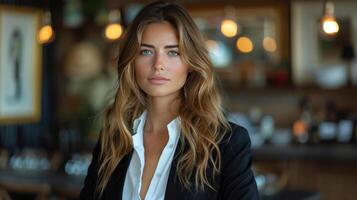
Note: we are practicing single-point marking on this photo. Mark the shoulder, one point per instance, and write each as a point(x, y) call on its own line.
point(237, 178)
point(236, 137)
point(235, 146)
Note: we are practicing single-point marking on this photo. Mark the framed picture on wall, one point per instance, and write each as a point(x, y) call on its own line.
point(20, 65)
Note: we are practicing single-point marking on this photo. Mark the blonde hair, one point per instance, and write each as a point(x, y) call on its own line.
point(202, 120)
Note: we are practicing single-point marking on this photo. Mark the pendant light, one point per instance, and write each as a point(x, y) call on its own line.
point(328, 22)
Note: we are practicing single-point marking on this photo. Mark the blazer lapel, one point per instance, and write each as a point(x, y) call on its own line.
point(174, 189)
point(114, 189)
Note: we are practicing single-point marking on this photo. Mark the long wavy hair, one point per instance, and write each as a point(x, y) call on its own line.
point(203, 123)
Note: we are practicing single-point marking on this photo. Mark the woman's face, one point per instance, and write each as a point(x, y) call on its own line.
point(159, 69)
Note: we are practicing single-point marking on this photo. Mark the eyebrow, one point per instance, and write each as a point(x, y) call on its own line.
point(166, 47)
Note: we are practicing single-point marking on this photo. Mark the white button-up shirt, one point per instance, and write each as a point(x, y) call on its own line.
point(133, 179)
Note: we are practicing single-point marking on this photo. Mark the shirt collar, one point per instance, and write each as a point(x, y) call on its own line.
point(138, 121)
point(174, 129)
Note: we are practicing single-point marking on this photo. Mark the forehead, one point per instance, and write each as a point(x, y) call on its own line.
point(160, 33)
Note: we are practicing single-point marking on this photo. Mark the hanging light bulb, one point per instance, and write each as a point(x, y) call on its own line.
point(269, 44)
point(46, 33)
point(328, 21)
point(330, 26)
point(229, 27)
point(244, 45)
point(114, 29)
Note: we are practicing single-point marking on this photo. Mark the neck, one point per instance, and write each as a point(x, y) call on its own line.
point(161, 111)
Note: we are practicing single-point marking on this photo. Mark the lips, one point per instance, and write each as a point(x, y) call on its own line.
point(158, 80)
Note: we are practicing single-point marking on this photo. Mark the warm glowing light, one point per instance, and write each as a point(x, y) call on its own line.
point(330, 26)
point(113, 31)
point(45, 34)
point(211, 44)
point(299, 128)
point(229, 28)
point(244, 44)
point(269, 44)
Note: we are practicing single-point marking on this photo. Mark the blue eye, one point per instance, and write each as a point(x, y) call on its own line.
point(173, 53)
point(145, 52)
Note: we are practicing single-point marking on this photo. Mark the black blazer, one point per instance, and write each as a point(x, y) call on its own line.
point(235, 182)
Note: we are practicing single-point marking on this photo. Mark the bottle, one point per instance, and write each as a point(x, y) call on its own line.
point(301, 126)
point(354, 136)
point(328, 128)
point(314, 131)
point(345, 131)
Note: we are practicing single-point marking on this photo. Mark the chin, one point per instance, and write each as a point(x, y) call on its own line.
point(161, 93)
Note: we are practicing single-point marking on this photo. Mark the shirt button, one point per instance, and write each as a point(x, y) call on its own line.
point(158, 175)
point(171, 146)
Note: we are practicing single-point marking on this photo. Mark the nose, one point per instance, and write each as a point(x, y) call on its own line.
point(159, 62)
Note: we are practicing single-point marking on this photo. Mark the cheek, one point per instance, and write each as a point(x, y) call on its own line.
point(178, 70)
point(140, 68)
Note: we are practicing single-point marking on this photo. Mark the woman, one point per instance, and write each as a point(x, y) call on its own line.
point(165, 135)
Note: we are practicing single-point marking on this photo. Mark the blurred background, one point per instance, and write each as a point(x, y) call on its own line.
point(287, 71)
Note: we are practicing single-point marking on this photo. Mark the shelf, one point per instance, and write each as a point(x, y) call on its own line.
point(288, 90)
point(293, 194)
point(42, 183)
point(336, 152)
